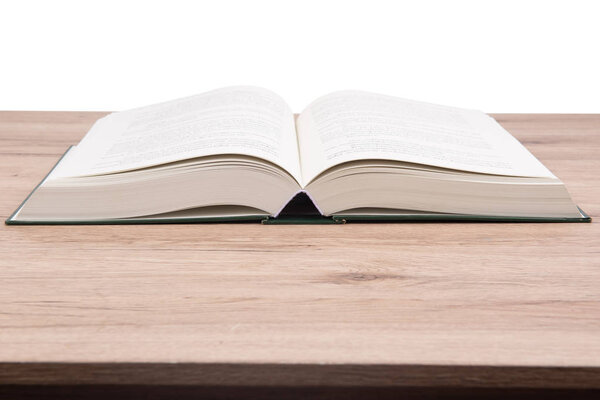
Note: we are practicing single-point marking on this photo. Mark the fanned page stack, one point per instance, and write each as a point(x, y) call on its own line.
point(239, 153)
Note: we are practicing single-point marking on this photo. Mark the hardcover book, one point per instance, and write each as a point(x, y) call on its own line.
point(240, 154)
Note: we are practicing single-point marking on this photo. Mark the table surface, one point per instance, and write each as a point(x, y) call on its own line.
point(405, 304)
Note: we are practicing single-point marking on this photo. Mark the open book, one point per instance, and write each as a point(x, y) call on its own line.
point(240, 153)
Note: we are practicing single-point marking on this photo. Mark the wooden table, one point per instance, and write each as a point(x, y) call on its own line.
point(455, 309)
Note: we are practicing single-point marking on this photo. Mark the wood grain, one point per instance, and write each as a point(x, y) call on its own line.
point(453, 305)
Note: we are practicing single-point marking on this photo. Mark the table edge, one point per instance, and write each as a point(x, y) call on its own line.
point(298, 375)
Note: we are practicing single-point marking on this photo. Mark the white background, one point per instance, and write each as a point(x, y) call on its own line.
point(505, 56)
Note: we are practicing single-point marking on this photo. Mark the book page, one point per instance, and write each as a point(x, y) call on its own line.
point(352, 125)
point(236, 120)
